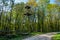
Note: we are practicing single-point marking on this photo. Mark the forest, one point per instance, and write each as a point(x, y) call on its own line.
point(32, 16)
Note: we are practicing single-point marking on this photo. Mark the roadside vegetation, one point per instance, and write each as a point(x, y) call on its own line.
point(56, 37)
point(20, 37)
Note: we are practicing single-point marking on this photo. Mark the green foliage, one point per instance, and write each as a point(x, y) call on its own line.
point(45, 17)
point(56, 37)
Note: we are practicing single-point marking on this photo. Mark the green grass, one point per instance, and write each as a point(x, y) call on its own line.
point(20, 37)
point(26, 36)
point(56, 37)
point(35, 33)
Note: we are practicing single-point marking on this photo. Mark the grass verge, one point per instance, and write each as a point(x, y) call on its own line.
point(20, 37)
point(56, 37)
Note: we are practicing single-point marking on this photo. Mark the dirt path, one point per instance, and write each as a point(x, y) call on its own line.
point(42, 37)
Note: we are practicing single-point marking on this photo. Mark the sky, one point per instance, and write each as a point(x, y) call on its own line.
point(18, 1)
point(52, 1)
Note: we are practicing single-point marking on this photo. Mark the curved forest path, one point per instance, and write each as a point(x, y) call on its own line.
point(47, 36)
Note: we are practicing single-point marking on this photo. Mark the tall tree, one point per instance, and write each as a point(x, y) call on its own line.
point(33, 4)
point(42, 7)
